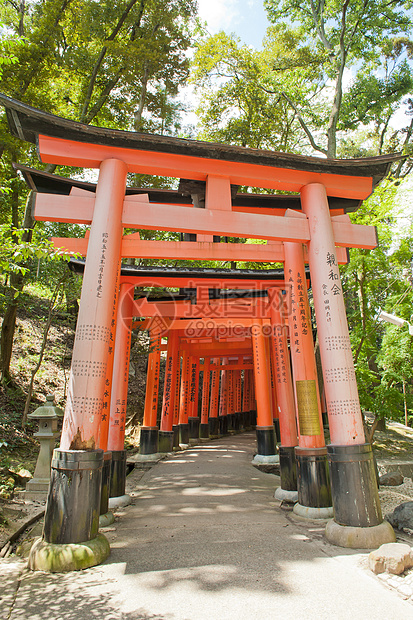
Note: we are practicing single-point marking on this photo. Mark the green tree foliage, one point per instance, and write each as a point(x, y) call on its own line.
point(364, 36)
point(375, 280)
point(114, 63)
point(245, 92)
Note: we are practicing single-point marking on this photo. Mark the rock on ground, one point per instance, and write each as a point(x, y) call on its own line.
point(391, 479)
point(392, 558)
point(402, 517)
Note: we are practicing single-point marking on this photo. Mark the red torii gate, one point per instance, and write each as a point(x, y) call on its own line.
point(115, 153)
point(313, 491)
point(187, 317)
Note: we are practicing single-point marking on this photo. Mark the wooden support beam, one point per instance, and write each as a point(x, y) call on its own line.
point(217, 352)
point(79, 209)
point(208, 325)
point(71, 209)
point(351, 235)
point(226, 366)
point(214, 309)
point(133, 247)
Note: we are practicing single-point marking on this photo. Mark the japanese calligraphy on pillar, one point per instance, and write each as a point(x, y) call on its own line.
point(302, 351)
point(214, 392)
point(223, 395)
point(167, 387)
point(279, 354)
point(205, 392)
point(331, 288)
point(237, 403)
point(230, 391)
point(193, 382)
point(109, 363)
point(177, 394)
point(102, 264)
point(339, 343)
point(301, 325)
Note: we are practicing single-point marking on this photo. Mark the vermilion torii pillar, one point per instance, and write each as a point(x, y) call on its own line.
point(313, 484)
point(266, 444)
point(176, 407)
point(351, 460)
point(82, 427)
point(149, 430)
point(271, 362)
point(119, 391)
point(169, 394)
point(184, 400)
point(193, 418)
point(237, 400)
point(285, 398)
point(230, 398)
point(223, 400)
point(82, 424)
point(206, 382)
point(246, 400)
point(213, 420)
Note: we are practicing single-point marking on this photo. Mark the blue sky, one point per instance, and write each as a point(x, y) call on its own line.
point(247, 18)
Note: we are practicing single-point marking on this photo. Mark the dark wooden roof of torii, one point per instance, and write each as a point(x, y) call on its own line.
point(28, 123)
point(196, 273)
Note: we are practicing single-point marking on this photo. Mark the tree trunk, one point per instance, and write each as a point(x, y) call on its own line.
point(16, 286)
point(334, 116)
point(406, 416)
point(139, 111)
point(36, 369)
point(6, 341)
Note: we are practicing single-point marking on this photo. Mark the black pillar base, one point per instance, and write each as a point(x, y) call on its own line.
point(237, 421)
point(204, 431)
point(175, 430)
point(313, 480)
point(354, 486)
point(288, 468)
point(183, 433)
point(277, 430)
point(247, 420)
point(165, 441)
point(213, 424)
point(193, 428)
point(73, 504)
point(148, 440)
point(253, 418)
point(266, 440)
point(104, 493)
point(231, 422)
point(118, 473)
point(223, 425)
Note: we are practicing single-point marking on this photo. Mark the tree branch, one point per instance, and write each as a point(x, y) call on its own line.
point(356, 25)
point(102, 55)
point(304, 126)
point(397, 172)
point(102, 99)
point(318, 12)
point(25, 85)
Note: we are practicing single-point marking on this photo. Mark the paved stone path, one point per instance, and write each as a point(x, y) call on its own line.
point(206, 540)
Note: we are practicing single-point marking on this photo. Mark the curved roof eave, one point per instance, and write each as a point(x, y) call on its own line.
point(28, 123)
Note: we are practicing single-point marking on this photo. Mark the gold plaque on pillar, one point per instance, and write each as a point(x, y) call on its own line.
point(307, 405)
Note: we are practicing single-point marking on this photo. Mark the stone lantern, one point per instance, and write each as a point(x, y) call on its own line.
point(47, 415)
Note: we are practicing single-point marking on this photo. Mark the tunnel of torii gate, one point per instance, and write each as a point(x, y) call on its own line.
point(311, 227)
